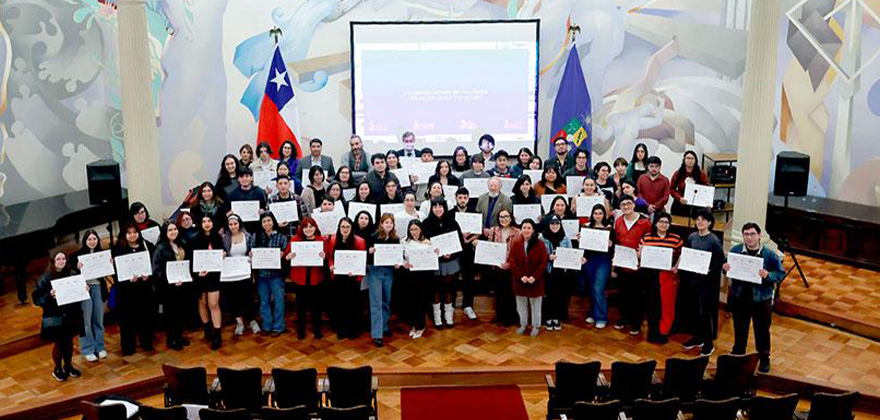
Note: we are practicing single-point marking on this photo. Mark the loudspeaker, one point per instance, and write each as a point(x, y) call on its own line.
point(105, 184)
point(792, 174)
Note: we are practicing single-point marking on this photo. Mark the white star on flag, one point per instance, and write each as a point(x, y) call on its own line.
point(279, 79)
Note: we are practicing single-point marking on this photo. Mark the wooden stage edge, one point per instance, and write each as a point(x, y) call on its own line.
point(833, 320)
point(519, 375)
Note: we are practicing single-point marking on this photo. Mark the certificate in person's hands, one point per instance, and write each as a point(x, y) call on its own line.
point(594, 239)
point(391, 209)
point(526, 211)
point(656, 257)
point(547, 201)
point(585, 204)
point(574, 185)
point(625, 257)
point(476, 186)
point(570, 226)
point(328, 221)
point(354, 208)
point(423, 170)
point(745, 267)
point(402, 175)
point(248, 210)
point(507, 185)
point(448, 243)
point(266, 258)
point(235, 267)
point(70, 290)
point(208, 260)
point(264, 179)
point(470, 222)
point(401, 223)
point(96, 265)
point(449, 192)
point(348, 194)
point(388, 255)
point(133, 265)
point(350, 262)
point(151, 234)
point(569, 258)
point(699, 195)
point(534, 174)
point(490, 253)
point(307, 254)
point(422, 258)
point(694, 260)
point(178, 272)
point(285, 211)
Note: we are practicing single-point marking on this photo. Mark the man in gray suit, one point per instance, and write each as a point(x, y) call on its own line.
point(315, 158)
point(491, 203)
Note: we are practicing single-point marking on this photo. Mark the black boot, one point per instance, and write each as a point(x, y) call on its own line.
point(208, 331)
point(217, 340)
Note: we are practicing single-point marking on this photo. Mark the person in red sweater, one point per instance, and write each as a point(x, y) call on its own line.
point(628, 231)
point(527, 257)
point(688, 172)
point(309, 291)
point(653, 186)
point(345, 314)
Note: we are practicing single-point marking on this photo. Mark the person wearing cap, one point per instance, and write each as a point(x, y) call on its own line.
point(247, 191)
point(628, 231)
point(700, 291)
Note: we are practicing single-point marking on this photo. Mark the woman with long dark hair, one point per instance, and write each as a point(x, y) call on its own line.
point(345, 286)
point(443, 174)
point(661, 284)
point(91, 344)
point(343, 177)
point(524, 157)
point(141, 216)
point(392, 193)
point(417, 287)
point(461, 162)
point(527, 258)
point(208, 284)
point(363, 225)
point(227, 178)
point(638, 165)
point(135, 297)
point(59, 324)
point(288, 154)
point(604, 182)
point(434, 192)
point(308, 280)
point(523, 193)
point(440, 221)
point(688, 172)
point(504, 231)
point(270, 281)
point(208, 203)
point(380, 279)
point(558, 280)
point(175, 296)
point(597, 270)
point(551, 182)
point(238, 289)
point(313, 193)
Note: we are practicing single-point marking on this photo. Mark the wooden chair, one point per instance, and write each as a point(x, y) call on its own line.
point(360, 412)
point(185, 385)
point(609, 410)
point(300, 412)
point(574, 382)
point(643, 409)
point(631, 381)
point(773, 408)
point(292, 388)
point(684, 378)
point(734, 376)
point(348, 388)
point(825, 406)
point(716, 410)
point(92, 411)
point(239, 388)
point(215, 414)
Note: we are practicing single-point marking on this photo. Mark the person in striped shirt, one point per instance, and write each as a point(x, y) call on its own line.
point(661, 285)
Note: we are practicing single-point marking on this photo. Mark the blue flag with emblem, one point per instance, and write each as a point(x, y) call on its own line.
point(572, 108)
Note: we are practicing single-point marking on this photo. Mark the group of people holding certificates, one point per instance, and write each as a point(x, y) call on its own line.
point(407, 241)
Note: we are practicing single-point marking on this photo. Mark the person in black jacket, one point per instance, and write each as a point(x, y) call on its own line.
point(175, 296)
point(246, 191)
point(208, 202)
point(438, 222)
point(136, 300)
point(208, 284)
point(227, 178)
point(59, 323)
point(523, 193)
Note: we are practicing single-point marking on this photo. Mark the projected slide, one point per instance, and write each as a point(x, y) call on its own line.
point(447, 82)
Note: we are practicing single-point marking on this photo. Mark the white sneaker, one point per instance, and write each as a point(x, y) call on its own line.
point(418, 333)
point(102, 354)
point(412, 332)
point(601, 324)
point(255, 328)
point(469, 312)
point(239, 329)
point(91, 358)
point(590, 320)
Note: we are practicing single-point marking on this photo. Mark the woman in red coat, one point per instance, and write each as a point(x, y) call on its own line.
point(309, 291)
point(346, 288)
point(527, 257)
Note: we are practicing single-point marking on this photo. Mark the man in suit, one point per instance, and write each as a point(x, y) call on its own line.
point(491, 203)
point(356, 158)
point(563, 161)
point(315, 158)
point(409, 146)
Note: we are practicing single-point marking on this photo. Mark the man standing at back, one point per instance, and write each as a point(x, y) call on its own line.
point(409, 147)
point(653, 187)
point(315, 158)
point(562, 160)
point(378, 176)
point(356, 158)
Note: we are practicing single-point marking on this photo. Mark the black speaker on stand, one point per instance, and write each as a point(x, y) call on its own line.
point(105, 187)
point(790, 180)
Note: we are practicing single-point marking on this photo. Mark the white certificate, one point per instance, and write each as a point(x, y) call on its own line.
point(526, 211)
point(470, 222)
point(625, 257)
point(656, 257)
point(449, 192)
point(422, 258)
point(402, 175)
point(234, 267)
point(207, 260)
point(96, 265)
point(285, 211)
point(178, 271)
point(594, 239)
point(409, 162)
point(129, 266)
point(448, 243)
point(699, 195)
point(266, 258)
point(423, 170)
point(534, 174)
point(348, 194)
point(694, 260)
point(507, 185)
point(388, 255)
point(547, 201)
point(391, 209)
point(70, 290)
point(569, 258)
point(248, 210)
point(745, 267)
point(574, 185)
point(585, 204)
point(307, 254)
point(354, 208)
point(490, 253)
point(354, 262)
point(151, 234)
point(328, 221)
point(264, 179)
point(401, 223)
point(476, 186)
point(570, 226)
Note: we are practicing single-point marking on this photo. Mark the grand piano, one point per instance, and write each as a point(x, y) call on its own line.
point(29, 230)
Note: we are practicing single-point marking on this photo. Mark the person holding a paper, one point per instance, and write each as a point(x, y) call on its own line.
point(208, 284)
point(238, 288)
point(551, 182)
point(558, 279)
point(135, 298)
point(345, 310)
point(558, 208)
point(504, 232)
point(439, 222)
point(91, 344)
point(688, 172)
point(654, 186)
point(661, 285)
point(380, 279)
point(270, 281)
point(175, 296)
point(264, 162)
point(589, 189)
point(466, 259)
point(59, 324)
point(247, 191)
point(356, 158)
point(700, 291)
point(313, 193)
point(750, 301)
point(435, 191)
point(596, 272)
point(141, 216)
point(207, 202)
point(285, 195)
point(527, 258)
point(628, 231)
point(308, 280)
point(417, 289)
point(491, 203)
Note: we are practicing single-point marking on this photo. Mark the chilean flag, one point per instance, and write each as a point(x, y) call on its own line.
point(273, 128)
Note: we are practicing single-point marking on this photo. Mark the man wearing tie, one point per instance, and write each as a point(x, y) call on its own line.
point(409, 147)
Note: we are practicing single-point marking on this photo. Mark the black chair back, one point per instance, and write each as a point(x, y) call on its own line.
point(716, 410)
point(169, 413)
point(824, 406)
point(773, 408)
point(350, 387)
point(655, 410)
point(185, 385)
point(576, 382)
point(684, 378)
point(296, 387)
point(735, 376)
point(213, 414)
point(241, 388)
point(360, 412)
point(631, 381)
point(609, 410)
point(300, 412)
point(92, 411)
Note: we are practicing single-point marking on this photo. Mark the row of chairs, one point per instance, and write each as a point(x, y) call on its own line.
point(685, 387)
point(92, 411)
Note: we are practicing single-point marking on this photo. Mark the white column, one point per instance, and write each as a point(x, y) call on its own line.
point(756, 127)
point(139, 119)
point(841, 153)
